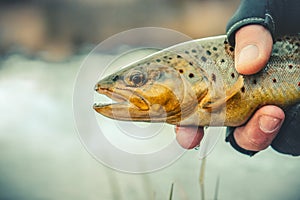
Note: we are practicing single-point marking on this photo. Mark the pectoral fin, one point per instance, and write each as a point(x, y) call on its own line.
point(210, 102)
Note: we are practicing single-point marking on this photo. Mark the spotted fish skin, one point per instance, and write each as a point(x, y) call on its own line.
point(195, 83)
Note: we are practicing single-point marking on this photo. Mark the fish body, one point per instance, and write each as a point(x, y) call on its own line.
point(195, 83)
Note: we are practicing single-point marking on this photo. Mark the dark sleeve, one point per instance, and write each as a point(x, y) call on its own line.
point(280, 17)
point(287, 140)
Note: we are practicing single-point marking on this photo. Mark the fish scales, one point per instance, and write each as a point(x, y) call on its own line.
point(195, 83)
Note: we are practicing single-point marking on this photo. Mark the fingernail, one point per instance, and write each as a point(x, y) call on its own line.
point(269, 124)
point(248, 54)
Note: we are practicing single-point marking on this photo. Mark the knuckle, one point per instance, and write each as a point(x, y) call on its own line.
point(259, 142)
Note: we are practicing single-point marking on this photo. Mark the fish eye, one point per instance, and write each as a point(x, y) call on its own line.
point(137, 78)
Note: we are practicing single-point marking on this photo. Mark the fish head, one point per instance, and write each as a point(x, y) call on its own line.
point(152, 90)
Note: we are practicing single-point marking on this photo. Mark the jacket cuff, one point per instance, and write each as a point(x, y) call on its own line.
point(250, 12)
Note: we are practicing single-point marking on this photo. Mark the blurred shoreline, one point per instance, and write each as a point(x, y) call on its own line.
point(59, 28)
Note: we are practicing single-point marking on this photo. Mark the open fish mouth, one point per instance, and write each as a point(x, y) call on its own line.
point(126, 105)
point(115, 97)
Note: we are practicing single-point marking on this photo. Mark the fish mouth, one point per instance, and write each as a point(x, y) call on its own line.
point(127, 105)
point(118, 98)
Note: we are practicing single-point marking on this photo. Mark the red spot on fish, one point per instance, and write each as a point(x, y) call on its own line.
point(299, 84)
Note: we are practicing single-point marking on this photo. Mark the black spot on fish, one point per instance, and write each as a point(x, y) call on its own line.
point(158, 60)
point(254, 81)
point(274, 80)
point(148, 63)
point(190, 63)
point(204, 59)
point(225, 42)
point(191, 75)
point(208, 52)
point(232, 75)
point(179, 56)
point(187, 52)
point(170, 58)
point(243, 89)
point(181, 71)
point(222, 60)
point(213, 77)
point(194, 51)
point(275, 51)
point(115, 78)
point(231, 49)
point(290, 66)
point(215, 48)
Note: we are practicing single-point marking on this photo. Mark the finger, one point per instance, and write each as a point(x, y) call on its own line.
point(253, 48)
point(260, 131)
point(189, 136)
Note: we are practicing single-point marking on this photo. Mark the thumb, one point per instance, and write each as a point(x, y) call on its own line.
point(253, 49)
point(262, 128)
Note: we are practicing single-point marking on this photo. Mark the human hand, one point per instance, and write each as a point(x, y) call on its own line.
point(253, 49)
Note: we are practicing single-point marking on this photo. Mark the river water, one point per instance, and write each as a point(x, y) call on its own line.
point(42, 156)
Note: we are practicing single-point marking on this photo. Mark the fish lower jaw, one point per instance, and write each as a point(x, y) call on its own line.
point(112, 110)
point(102, 105)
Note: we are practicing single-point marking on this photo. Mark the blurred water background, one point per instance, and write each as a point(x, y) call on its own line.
point(42, 45)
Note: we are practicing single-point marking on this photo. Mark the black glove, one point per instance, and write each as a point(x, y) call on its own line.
point(280, 17)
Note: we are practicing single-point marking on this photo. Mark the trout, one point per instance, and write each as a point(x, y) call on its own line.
point(195, 84)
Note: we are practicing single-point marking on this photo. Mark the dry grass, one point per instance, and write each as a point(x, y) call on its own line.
point(171, 192)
